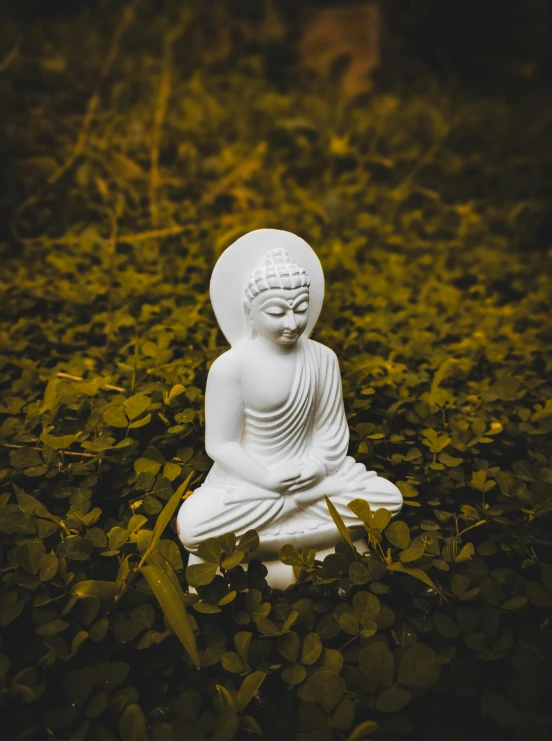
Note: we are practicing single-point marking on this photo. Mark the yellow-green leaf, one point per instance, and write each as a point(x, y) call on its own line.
point(413, 552)
point(210, 550)
point(233, 560)
point(230, 597)
point(171, 471)
point(233, 663)
point(95, 588)
point(249, 541)
point(206, 608)
point(289, 555)
point(146, 465)
point(312, 648)
point(226, 698)
point(242, 642)
point(136, 405)
point(466, 553)
point(176, 391)
point(48, 566)
point(362, 510)
point(141, 422)
point(249, 688)
point(58, 443)
point(200, 574)
point(407, 490)
point(363, 730)
point(449, 460)
point(398, 533)
point(381, 518)
point(115, 416)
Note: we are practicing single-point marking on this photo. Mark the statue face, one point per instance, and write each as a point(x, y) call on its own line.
point(280, 314)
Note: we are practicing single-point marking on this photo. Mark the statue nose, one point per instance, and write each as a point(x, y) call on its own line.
point(291, 322)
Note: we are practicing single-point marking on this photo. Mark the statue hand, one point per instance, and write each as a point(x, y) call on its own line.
point(281, 477)
point(312, 473)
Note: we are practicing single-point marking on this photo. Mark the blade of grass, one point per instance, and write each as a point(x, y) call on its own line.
point(341, 526)
point(165, 517)
point(174, 609)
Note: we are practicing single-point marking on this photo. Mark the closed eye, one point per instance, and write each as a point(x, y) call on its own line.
point(303, 306)
point(274, 311)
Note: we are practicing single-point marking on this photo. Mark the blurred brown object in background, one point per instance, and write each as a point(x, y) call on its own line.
point(347, 35)
point(272, 27)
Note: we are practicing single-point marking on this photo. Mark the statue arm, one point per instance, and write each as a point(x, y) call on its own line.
point(330, 439)
point(224, 419)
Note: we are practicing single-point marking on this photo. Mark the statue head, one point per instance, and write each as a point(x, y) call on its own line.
point(277, 299)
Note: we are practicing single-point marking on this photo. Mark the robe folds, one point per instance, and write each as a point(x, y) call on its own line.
point(311, 423)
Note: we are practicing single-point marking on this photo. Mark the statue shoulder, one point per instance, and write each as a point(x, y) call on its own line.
point(227, 366)
point(322, 351)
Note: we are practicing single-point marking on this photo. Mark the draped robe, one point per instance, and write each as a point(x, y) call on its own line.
point(311, 422)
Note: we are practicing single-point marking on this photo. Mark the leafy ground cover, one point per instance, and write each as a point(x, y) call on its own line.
point(136, 154)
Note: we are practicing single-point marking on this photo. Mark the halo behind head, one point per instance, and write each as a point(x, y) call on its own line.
point(241, 260)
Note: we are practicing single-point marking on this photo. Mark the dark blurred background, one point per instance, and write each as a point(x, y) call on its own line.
point(473, 50)
point(490, 44)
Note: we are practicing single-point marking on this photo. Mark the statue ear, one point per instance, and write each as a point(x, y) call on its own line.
point(251, 331)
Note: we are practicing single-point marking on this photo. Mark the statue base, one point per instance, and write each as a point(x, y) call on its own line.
point(280, 575)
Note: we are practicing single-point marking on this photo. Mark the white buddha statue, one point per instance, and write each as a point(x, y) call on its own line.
point(275, 422)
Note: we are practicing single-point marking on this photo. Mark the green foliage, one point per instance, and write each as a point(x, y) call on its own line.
point(418, 203)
